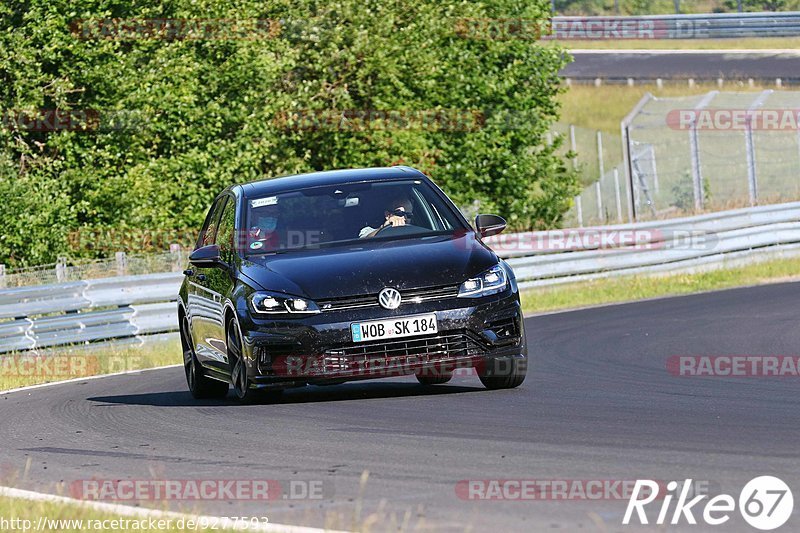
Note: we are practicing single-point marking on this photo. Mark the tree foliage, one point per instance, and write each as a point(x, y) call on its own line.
point(172, 121)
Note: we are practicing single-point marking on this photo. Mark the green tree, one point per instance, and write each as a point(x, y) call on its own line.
point(180, 119)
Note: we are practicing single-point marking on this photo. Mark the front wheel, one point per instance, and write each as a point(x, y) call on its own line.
point(241, 384)
point(503, 373)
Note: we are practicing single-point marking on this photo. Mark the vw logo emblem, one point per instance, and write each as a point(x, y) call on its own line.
point(390, 298)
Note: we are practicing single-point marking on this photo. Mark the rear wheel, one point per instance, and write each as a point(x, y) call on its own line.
point(505, 373)
point(200, 385)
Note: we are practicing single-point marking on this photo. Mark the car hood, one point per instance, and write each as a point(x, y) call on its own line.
point(367, 268)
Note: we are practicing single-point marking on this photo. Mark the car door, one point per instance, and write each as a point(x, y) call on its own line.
point(203, 305)
point(218, 282)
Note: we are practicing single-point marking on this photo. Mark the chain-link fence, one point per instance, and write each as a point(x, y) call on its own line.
point(122, 264)
point(696, 154)
point(598, 160)
point(713, 152)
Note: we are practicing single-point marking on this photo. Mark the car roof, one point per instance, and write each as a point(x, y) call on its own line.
point(330, 177)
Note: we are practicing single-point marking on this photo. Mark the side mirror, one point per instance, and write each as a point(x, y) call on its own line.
point(488, 225)
point(206, 257)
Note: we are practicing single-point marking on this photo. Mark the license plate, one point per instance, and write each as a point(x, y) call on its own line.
point(393, 328)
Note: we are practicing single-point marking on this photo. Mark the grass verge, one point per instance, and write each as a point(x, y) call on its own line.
point(603, 108)
point(23, 369)
point(25, 515)
point(632, 288)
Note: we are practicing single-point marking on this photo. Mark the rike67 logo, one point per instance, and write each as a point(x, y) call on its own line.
point(765, 503)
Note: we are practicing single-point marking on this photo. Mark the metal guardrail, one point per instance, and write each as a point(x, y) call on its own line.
point(135, 307)
point(88, 311)
point(680, 244)
point(700, 26)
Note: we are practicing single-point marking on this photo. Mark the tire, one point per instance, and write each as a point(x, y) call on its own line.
point(200, 385)
point(241, 384)
point(511, 378)
point(434, 380)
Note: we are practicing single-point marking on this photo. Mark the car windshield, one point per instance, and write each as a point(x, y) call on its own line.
point(346, 213)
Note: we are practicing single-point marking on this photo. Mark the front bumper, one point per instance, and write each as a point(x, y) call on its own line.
point(318, 349)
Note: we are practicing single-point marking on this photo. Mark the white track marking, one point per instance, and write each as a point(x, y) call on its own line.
point(124, 510)
point(143, 512)
point(87, 378)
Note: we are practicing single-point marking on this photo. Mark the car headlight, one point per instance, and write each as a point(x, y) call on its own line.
point(268, 303)
point(492, 281)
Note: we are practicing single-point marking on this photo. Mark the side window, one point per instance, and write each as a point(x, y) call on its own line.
point(226, 230)
point(209, 232)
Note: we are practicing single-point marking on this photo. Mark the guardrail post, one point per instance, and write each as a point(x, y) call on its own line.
point(61, 269)
point(122, 263)
point(175, 252)
point(2, 276)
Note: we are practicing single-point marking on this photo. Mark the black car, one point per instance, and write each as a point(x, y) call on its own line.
point(336, 276)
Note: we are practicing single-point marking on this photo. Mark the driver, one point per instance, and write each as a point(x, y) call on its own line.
point(397, 213)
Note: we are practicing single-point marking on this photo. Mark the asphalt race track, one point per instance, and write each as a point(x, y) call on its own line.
point(704, 65)
point(599, 404)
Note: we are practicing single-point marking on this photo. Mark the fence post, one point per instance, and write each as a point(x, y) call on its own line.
point(600, 161)
point(579, 209)
point(175, 252)
point(122, 263)
point(752, 180)
point(3, 277)
point(599, 193)
point(601, 166)
point(750, 151)
point(694, 146)
point(798, 143)
point(626, 153)
point(655, 168)
point(61, 269)
point(618, 194)
point(573, 146)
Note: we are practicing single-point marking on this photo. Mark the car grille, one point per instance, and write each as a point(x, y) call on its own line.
point(440, 348)
point(411, 296)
